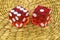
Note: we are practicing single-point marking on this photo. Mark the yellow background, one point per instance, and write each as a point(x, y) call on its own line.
point(30, 32)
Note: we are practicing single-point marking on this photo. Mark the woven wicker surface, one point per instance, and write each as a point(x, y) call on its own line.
point(30, 31)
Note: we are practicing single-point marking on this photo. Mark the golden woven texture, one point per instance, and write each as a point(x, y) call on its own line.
point(30, 31)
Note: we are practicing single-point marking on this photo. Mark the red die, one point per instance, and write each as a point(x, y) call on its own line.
point(41, 16)
point(19, 16)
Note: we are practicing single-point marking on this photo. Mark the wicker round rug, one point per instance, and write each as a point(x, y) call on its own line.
point(30, 32)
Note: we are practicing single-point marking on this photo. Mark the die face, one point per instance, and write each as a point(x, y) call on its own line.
point(19, 16)
point(42, 10)
point(41, 16)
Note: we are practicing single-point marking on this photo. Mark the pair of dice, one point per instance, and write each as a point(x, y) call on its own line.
point(19, 16)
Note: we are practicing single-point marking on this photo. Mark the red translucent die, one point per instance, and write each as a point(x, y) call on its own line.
point(19, 16)
point(41, 16)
